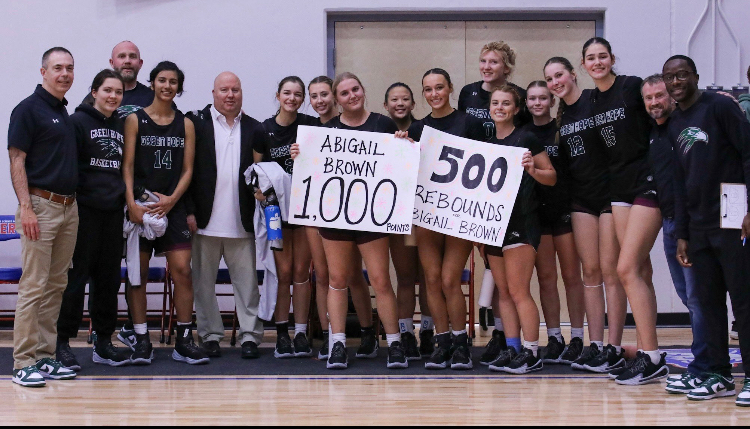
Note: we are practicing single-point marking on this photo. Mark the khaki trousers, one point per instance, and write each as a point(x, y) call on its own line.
point(45, 264)
point(239, 255)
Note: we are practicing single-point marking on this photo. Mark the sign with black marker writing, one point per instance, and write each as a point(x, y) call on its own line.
point(466, 188)
point(354, 180)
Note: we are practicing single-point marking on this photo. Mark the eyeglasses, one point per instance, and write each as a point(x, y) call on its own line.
point(680, 75)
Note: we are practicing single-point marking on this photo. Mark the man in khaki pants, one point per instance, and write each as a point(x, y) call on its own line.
point(44, 171)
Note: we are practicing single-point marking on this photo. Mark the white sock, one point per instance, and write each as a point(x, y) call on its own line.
point(457, 333)
point(336, 338)
point(655, 357)
point(599, 344)
point(618, 349)
point(300, 328)
point(576, 332)
point(555, 332)
point(406, 325)
point(532, 345)
point(499, 324)
point(140, 328)
point(427, 323)
point(392, 338)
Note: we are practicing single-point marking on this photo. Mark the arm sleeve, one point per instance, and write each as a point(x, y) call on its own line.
point(21, 129)
point(681, 217)
point(737, 130)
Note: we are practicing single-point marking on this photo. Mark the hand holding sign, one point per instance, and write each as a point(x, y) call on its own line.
point(353, 180)
point(466, 188)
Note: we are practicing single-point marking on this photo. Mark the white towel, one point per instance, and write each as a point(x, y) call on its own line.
point(270, 174)
point(152, 228)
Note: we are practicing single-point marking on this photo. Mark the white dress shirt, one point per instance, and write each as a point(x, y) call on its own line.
point(225, 216)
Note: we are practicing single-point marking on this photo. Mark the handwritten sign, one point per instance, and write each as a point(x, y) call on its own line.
point(354, 180)
point(733, 205)
point(466, 188)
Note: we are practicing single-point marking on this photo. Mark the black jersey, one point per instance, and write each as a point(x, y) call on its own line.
point(279, 140)
point(375, 123)
point(711, 140)
point(581, 154)
point(552, 199)
point(662, 162)
point(526, 200)
point(476, 101)
point(457, 123)
point(159, 153)
point(623, 127)
point(100, 142)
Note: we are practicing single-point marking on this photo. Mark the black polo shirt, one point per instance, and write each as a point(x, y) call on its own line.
point(40, 127)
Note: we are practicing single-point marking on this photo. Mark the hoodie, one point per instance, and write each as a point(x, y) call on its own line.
point(100, 142)
point(745, 104)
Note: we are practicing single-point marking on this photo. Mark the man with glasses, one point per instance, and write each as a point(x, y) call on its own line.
point(711, 141)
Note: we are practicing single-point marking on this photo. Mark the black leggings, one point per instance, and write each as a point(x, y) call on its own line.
point(97, 257)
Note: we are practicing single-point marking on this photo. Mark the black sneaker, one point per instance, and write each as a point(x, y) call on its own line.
point(284, 347)
point(250, 350)
point(397, 356)
point(127, 335)
point(323, 352)
point(409, 344)
point(572, 352)
point(212, 349)
point(108, 354)
point(338, 359)
point(441, 353)
point(607, 360)
point(503, 360)
point(619, 371)
point(65, 356)
point(426, 342)
point(143, 351)
point(302, 346)
point(461, 359)
point(185, 349)
point(524, 363)
point(494, 347)
point(644, 371)
point(591, 352)
point(554, 350)
point(368, 349)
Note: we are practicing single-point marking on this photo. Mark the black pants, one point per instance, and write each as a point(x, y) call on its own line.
point(722, 264)
point(97, 257)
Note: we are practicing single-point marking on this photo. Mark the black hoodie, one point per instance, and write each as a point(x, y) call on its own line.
point(100, 143)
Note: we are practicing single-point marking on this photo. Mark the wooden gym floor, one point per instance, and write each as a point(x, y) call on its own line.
point(446, 398)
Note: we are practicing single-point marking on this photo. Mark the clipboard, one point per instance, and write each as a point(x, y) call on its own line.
point(733, 205)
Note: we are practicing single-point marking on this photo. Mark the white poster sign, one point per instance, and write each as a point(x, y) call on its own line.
point(354, 180)
point(466, 188)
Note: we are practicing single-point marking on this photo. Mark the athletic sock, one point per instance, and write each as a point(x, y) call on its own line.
point(655, 357)
point(576, 333)
point(555, 332)
point(427, 323)
point(515, 343)
point(499, 324)
point(282, 328)
point(140, 328)
point(457, 333)
point(618, 349)
point(392, 338)
point(532, 345)
point(406, 325)
point(300, 328)
point(599, 344)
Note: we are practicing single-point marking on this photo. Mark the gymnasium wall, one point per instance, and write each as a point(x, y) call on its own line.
point(262, 41)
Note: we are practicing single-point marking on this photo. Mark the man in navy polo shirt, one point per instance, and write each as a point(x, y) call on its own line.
point(44, 172)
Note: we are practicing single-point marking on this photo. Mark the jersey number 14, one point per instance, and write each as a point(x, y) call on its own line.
point(165, 161)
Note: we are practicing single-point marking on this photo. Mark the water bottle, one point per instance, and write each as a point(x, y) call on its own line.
point(272, 212)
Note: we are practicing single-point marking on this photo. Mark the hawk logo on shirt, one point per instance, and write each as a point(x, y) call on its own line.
point(124, 111)
point(111, 147)
point(689, 136)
